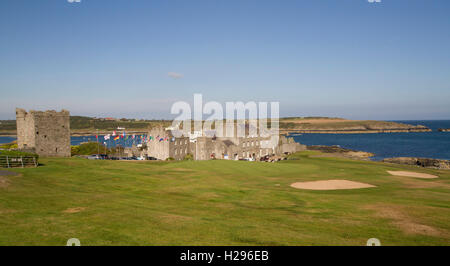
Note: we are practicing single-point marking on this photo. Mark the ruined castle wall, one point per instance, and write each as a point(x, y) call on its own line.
point(156, 148)
point(204, 148)
point(52, 133)
point(48, 133)
point(25, 130)
point(159, 150)
point(179, 148)
point(288, 145)
point(252, 147)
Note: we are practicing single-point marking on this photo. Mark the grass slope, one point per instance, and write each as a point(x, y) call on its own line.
point(221, 203)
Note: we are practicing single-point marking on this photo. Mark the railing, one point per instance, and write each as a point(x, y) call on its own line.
point(18, 161)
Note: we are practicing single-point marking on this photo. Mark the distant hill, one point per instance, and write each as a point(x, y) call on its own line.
point(88, 125)
point(7, 125)
point(81, 125)
point(82, 122)
point(340, 125)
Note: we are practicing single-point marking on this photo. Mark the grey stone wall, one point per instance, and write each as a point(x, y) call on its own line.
point(179, 148)
point(25, 130)
point(288, 145)
point(156, 148)
point(206, 148)
point(48, 133)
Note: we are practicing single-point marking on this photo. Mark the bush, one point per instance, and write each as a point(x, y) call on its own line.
point(75, 150)
point(170, 159)
point(12, 145)
point(89, 149)
point(188, 157)
point(17, 154)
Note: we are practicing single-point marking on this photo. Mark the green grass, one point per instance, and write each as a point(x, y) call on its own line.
point(221, 203)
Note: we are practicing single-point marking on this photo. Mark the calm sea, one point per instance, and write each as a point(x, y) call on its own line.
point(128, 142)
point(384, 145)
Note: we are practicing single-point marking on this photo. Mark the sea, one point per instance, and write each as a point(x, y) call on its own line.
point(433, 144)
point(384, 145)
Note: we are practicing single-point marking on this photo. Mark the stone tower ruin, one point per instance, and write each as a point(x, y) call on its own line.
point(47, 133)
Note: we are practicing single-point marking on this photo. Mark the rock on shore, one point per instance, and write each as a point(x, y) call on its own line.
point(423, 162)
point(340, 151)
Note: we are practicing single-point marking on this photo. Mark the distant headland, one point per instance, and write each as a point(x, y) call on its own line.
point(328, 125)
point(85, 126)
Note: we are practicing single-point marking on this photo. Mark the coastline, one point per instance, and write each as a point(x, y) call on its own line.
point(336, 151)
point(81, 134)
point(357, 131)
point(430, 143)
point(78, 133)
point(383, 140)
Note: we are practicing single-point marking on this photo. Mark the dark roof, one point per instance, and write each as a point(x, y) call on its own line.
point(228, 143)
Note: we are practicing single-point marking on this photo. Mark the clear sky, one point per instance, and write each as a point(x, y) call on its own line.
point(133, 58)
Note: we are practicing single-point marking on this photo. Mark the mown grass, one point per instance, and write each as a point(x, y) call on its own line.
point(221, 203)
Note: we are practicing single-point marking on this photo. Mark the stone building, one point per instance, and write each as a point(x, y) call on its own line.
point(46, 133)
point(164, 145)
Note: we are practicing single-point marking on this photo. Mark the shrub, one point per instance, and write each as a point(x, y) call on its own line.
point(12, 145)
point(188, 157)
point(89, 149)
point(75, 150)
point(17, 154)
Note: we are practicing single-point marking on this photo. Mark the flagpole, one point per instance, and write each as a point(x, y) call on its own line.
point(98, 146)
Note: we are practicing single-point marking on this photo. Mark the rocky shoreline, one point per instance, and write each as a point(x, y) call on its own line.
point(354, 131)
point(422, 162)
point(444, 129)
point(336, 150)
point(362, 155)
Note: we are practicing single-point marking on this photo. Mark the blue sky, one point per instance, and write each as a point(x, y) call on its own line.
point(134, 58)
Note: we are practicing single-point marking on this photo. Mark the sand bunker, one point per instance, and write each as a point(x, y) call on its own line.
point(4, 182)
point(411, 174)
point(330, 185)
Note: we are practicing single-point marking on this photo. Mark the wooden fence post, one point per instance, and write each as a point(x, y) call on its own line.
point(21, 160)
point(34, 160)
point(7, 161)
